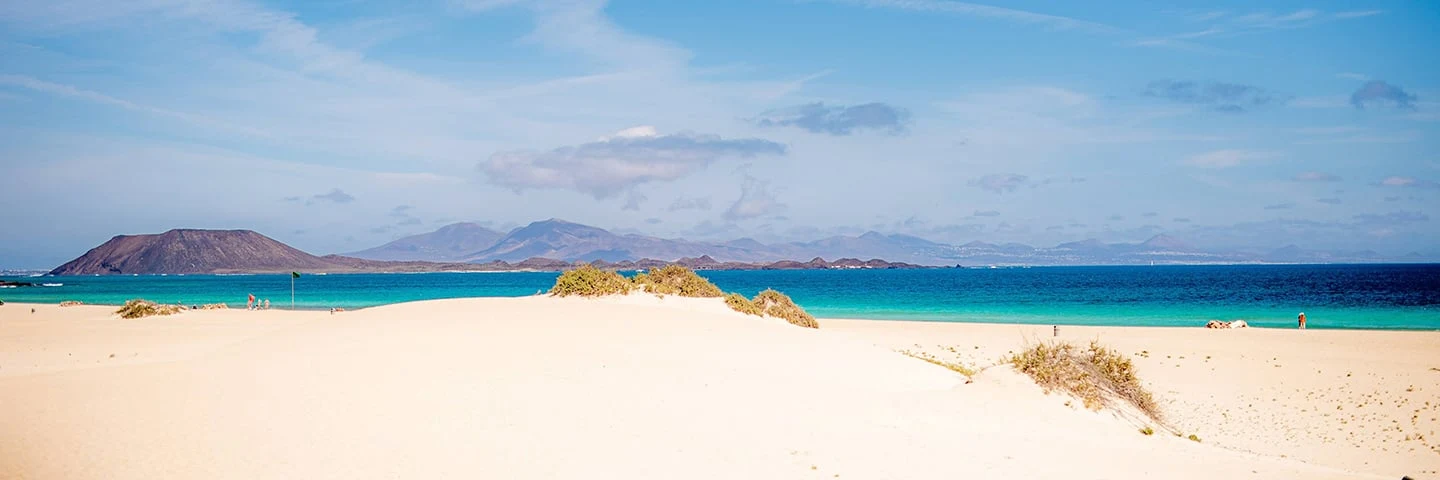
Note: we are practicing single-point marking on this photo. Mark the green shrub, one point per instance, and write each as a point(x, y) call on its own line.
point(779, 305)
point(676, 280)
point(739, 303)
point(588, 281)
point(1193, 438)
point(138, 308)
point(1094, 374)
point(1147, 430)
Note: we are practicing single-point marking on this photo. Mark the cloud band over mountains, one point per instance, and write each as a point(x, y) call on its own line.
point(606, 167)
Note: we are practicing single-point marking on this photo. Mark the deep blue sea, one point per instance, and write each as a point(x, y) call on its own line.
point(1332, 296)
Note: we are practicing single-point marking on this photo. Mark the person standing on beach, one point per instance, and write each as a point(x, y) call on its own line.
point(250, 303)
point(1302, 320)
point(267, 304)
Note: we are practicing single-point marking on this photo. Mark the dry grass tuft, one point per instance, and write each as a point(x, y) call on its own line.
point(588, 281)
point(70, 303)
point(779, 305)
point(957, 367)
point(739, 303)
point(214, 306)
point(138, 308)
point(1095, 374)
point(676, 280)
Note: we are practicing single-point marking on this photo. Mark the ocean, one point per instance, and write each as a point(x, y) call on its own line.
point(1405, 297)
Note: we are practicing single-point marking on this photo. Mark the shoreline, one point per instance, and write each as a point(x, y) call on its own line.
point(1199, 326)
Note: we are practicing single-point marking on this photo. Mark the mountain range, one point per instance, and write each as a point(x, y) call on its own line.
point(188, 251)
point(561, 240)
point(557, 244)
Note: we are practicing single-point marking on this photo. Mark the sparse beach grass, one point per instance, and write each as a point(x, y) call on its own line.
point(1095, 374)
point(955, 366)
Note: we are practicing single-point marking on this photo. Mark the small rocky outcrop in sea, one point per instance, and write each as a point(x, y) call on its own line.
point(1223, 324)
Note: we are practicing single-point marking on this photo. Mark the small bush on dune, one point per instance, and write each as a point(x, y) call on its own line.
point(214, 306)
point(138, 308)
point(1094, 374)
point(588, 281)
point(739, 303)
point(70, 303)
point(676, 280)
point(779, 305)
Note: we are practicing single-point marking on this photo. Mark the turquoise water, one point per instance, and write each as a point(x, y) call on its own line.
point(1332, 296)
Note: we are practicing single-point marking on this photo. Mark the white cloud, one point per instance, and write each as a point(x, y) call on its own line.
point(1227, 158)
point(1316, 177)
point(756, 200)
point(1409, 182)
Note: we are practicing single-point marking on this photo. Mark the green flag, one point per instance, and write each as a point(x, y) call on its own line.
point(294, 274)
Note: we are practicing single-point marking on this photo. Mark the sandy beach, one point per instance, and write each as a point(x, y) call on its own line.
point(640, 387)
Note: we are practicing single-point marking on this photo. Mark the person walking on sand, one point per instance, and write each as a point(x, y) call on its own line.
point(267, 304)
point(1302, 320)
point(250, 303)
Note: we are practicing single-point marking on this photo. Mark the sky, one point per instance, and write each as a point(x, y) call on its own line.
point(338, 125)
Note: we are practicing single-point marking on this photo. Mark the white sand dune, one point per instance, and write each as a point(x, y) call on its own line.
point(639, 387)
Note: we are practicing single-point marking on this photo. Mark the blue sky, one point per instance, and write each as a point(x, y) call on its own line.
point(338, 125)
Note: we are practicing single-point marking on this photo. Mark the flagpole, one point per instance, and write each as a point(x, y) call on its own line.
point(292, 291)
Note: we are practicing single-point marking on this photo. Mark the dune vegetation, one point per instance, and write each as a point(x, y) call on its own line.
point(1097, 375)
point(779, 305)
point(139, 308)
point(589, 281)
point(676, 280)
point(739, 303)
